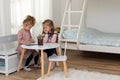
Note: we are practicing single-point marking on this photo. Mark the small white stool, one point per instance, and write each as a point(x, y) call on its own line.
point(59, 58)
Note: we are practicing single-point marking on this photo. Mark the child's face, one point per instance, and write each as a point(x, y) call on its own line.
point(46, 28)
point(27, 26)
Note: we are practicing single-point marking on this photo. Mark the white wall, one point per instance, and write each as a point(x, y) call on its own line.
point(57, 12)
point(101, 14)
point(5, 17)
point(104, 15)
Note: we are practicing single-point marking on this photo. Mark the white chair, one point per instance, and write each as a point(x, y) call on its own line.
point(59, 58)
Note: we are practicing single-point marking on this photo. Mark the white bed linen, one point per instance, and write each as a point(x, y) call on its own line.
point(94, 37)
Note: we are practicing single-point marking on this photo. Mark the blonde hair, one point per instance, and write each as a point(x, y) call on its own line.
point(29, 19)
point(50, 24)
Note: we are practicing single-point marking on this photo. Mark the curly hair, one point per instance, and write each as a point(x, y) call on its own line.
point(29, 19)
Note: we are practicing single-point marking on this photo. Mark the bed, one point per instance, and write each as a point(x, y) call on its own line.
point(80, 37)
point(93, 40)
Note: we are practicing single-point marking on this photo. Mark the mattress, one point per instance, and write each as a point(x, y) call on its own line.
point(94, 37)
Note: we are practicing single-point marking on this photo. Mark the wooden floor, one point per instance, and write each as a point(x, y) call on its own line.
point(100, 62)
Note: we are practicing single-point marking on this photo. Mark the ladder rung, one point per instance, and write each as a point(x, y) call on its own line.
point(70, 25)
point(74, 11)
point(68, 40)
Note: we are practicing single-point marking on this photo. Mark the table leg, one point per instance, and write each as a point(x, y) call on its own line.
point(21, 59)
point(42, 64)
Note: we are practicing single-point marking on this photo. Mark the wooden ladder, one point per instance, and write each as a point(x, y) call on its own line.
point(67, 13)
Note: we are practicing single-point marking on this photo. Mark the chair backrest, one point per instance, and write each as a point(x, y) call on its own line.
point(8, 42)
point(8, 39)
point(65, 48)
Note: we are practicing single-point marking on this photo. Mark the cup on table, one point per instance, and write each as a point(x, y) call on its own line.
point(40, 40)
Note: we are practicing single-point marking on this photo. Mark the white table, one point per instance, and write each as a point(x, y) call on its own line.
point(37, 47)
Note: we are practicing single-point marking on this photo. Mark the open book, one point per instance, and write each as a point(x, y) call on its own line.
point(31, 44)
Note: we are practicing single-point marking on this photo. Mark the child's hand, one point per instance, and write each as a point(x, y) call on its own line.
point(32, 41)
point(55, 32)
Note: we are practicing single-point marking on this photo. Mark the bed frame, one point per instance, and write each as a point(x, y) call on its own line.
point(75, 44)
point(95, 48)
